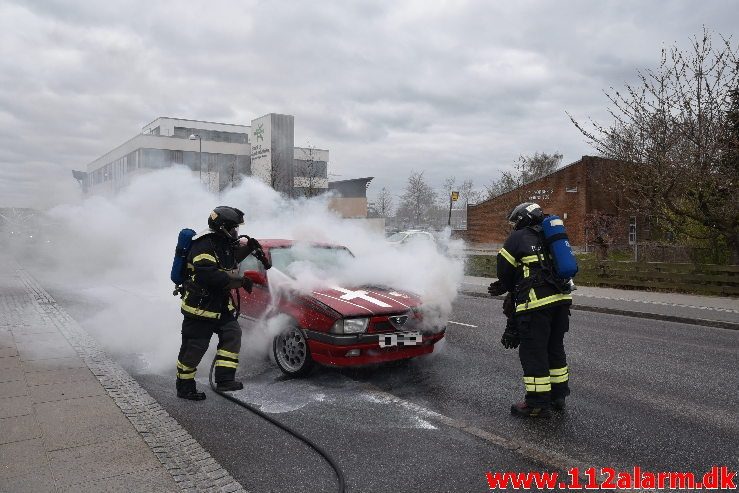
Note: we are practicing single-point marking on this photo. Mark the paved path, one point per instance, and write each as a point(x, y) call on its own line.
point(74, 420)
point(713, 311)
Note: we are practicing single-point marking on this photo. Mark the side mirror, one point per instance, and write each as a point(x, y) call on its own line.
point(256, 277)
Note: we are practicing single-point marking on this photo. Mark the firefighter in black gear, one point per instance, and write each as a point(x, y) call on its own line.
point(207, 304)
point(540, 309)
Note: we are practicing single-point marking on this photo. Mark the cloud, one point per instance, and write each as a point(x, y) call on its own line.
point(445, 87)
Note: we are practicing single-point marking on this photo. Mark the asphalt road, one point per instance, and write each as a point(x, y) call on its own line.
point(647, 393)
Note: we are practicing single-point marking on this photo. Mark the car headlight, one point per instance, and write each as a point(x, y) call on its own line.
point(350, 326)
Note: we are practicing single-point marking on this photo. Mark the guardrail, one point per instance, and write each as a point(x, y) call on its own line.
point(712, 279)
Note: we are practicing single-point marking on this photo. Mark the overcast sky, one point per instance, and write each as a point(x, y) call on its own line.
point(449, 88)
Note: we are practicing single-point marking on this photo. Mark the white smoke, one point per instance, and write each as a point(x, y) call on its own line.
point(117, 252)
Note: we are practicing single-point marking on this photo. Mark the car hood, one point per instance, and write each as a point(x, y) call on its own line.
point(366, 301)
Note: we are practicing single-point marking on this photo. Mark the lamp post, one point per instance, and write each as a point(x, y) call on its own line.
point(200, 154)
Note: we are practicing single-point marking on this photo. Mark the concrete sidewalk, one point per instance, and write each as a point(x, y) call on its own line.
point(71, 419)
point(713, 311)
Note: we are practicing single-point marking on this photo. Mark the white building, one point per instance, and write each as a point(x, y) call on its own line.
point(219, 153)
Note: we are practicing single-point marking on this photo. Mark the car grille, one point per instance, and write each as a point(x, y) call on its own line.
point(383, 327)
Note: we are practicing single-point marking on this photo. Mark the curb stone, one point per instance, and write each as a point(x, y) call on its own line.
point(720, 324)
point(191, 466)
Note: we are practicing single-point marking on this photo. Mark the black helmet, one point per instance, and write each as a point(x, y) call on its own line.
point(526, 214)
point(225, 219)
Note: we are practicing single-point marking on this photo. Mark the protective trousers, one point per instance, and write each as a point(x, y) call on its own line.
point(196, 336)
point(542, 354)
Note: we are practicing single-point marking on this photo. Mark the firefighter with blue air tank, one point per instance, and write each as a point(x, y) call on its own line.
point(207, 304)
point(532, 266)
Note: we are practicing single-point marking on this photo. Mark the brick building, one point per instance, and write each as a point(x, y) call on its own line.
point(578, 193)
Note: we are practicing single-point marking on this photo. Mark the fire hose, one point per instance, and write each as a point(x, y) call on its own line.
point(284, 427)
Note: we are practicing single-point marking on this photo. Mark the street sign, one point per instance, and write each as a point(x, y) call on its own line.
point(455, 196)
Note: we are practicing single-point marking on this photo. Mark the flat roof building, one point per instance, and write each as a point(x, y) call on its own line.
point(219, 153)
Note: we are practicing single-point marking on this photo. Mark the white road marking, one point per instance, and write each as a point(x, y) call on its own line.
point(460, 323)
point(529, 450)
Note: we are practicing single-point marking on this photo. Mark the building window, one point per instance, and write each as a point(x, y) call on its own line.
point(571, 189)
point(176, 157)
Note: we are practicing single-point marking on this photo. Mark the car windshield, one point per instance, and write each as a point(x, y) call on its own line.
point(396, 237)
point(299, 257)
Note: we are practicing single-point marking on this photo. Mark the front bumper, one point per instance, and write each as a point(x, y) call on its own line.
point(332, 349)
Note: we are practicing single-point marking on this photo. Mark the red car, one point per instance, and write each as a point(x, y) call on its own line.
point(336, 326)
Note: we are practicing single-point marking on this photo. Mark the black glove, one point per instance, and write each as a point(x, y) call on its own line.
point(234, 280)
point(510, 338)
point(496, 288)
point(247, 284)
point(252, 244)
point(509, 307)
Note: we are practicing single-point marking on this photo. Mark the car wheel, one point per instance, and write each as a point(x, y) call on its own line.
point(291, 353)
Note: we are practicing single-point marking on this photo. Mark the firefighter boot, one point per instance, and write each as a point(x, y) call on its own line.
point(186, 390)
point(229, 386)
point(558, 404)
point(524, 410)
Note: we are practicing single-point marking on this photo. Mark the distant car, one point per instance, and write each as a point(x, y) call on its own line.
point(335, 326)
point(403, 237)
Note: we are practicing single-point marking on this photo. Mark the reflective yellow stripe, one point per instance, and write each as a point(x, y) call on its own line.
point(530, 259)
point(227, 354)
point(538, 388)
point(536, 303)
point(204, 256)
point(559, 375)
point(525, 271)
point(183, 366)
point(185, 376)
point(227, 364)
point(508, 257)
point(537, 384)
point(199, 312)
point(537, 380)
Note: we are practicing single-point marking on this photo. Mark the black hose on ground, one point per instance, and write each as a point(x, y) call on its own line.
point(319, 450)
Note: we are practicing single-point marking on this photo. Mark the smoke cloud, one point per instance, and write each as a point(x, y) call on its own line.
point(116, 252)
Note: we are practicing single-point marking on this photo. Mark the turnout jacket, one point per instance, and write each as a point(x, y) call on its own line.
point(521, 273)
point(206, 295)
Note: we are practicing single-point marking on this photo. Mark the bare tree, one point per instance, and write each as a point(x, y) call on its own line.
point(527, 168)
point(601, 231)
point(384, 203)
point(277, 178)
point(234, 178)
point(417, 204)
point(468, 194)
point(673, 132)
point(458, 213)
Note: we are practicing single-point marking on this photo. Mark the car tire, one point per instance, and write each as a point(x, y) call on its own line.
point(291, 353)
